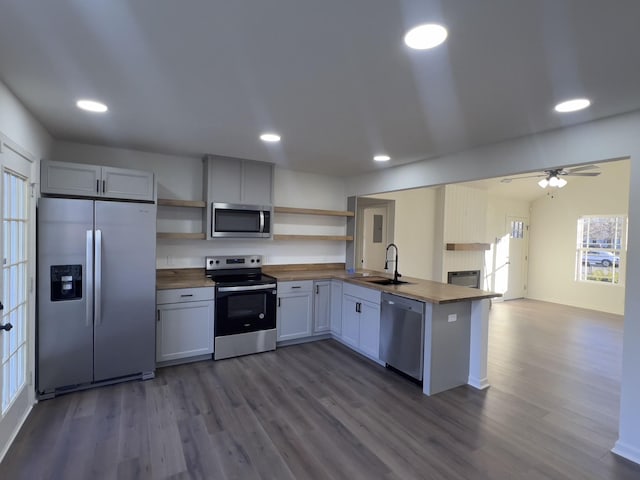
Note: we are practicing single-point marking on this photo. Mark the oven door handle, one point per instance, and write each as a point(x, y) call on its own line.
point(249, 288)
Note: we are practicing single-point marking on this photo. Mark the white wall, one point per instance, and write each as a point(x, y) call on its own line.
point(413, 230)
point(552, 246)
point(611, 138)
point(465, 219)
point(17, 123)
point(181, 178)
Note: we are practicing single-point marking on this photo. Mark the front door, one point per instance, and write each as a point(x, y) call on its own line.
point(518, 235)
point(16, 343)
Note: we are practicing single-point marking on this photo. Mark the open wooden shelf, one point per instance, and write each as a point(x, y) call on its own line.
point(313, 211)
point(169, 202)
point(180, 236)
point(468, 247)
point(312, 237)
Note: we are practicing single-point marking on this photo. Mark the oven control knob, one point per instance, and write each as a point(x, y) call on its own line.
point(253, 260)
point(257, 260)
point(217, 262)
point(261, 316)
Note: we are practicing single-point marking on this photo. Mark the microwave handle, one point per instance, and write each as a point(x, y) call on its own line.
point(261, 221)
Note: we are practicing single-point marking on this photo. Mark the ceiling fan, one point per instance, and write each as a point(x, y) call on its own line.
point(553, 177)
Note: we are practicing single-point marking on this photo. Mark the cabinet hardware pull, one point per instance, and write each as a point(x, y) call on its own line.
point(97, 186)
point(158, 315)
point(317, 289)
point(278, 301)
point(189, 295)
point(296, 286)
point(104, 186)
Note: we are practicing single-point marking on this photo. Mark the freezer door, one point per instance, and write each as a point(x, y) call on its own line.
point(125, 276)
point(65, 323)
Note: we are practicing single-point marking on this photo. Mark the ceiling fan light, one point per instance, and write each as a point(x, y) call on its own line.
point(561, 182)
point(554, 181)
point(543, 183)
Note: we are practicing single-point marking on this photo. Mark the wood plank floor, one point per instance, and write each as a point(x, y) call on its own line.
point(320, 411)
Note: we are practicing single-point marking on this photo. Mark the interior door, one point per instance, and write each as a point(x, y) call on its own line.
point(16, 344)
point(374, 238)
point(518, 231)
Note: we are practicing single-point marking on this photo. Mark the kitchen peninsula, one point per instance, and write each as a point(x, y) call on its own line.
point(444, 304)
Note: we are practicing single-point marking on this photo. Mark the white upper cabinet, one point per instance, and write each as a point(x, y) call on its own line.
point(127, 184)
point(79, 180)
point(235, 180)
point(61, 178)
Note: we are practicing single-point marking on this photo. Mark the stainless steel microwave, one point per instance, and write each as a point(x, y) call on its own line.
point(234, 220)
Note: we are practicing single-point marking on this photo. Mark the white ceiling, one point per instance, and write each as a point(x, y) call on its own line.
point(332, 77)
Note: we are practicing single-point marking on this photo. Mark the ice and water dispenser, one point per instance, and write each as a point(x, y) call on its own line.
point(66, 282)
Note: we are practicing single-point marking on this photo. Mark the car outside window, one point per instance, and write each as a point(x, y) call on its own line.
point(601, 240)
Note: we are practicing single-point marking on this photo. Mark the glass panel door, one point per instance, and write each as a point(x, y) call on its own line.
point(13, 353)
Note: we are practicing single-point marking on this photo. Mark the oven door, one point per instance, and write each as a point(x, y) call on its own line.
point(245, 309)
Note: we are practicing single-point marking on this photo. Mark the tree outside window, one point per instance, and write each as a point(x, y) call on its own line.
point(600, 244)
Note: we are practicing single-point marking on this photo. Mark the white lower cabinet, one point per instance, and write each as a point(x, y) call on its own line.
point(321, 306)
point(295, 307)
point(184, 323)
point(361, 319)
point(336, 308)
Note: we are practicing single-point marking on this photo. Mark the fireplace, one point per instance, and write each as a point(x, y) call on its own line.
point(465, 278)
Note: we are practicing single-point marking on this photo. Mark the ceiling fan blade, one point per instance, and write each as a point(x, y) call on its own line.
point(581, 169)
point(507, 180)
point(585, 174)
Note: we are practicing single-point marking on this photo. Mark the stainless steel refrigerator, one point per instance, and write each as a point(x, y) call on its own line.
point(96, 293)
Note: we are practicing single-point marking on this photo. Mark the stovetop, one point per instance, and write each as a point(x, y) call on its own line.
point(241, 270)
point(236, 280)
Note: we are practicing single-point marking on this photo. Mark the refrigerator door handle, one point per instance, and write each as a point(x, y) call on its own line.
point(89, 277)
point(98, 279)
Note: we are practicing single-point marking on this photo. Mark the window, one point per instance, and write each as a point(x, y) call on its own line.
point(517, 229)
point(601, 242)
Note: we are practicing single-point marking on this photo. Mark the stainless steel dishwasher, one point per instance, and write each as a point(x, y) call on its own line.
point(402, 334)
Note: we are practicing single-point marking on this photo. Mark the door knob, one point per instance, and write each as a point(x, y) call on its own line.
point(6, 326)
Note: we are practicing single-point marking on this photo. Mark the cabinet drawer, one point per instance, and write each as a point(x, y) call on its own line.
point(179, 295)
point(363, 293)
point(295, 287)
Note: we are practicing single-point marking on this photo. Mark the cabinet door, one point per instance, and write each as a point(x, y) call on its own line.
point(294, 316)
point(65, 178)
point(336, 308)
point(224, 177)
point(128, 184)
point(350, 320)
point(369, 339)
point(322, 307)
point(257, 183)
point(184, 330)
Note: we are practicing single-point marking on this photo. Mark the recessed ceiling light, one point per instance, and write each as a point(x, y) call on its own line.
point(92, 106)
point(382, 158)
point(425, 36)
point(270, 137)
point(572, 105)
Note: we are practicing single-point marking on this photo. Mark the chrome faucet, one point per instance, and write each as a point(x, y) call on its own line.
point(396, 275)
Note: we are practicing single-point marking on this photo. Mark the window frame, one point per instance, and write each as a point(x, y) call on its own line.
point(618, 248)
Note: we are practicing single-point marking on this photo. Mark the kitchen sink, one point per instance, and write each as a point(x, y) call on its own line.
point(382, 281)
point(389, 281)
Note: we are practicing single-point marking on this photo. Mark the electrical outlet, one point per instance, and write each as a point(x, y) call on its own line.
point(452, 318)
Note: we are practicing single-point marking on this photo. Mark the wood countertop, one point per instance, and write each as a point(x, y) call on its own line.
point(417, 289)
point(182, 278)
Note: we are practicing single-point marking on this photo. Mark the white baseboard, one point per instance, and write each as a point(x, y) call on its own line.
point(627, 451)
point(479, 383)
point(15, 434)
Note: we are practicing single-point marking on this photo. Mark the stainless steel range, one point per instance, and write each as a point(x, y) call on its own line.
point(245, 306)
